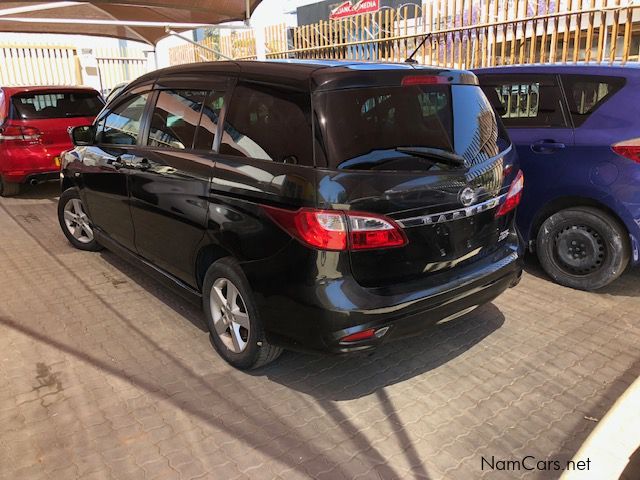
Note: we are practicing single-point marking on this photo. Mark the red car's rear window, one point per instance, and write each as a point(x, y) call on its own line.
point(31, 106)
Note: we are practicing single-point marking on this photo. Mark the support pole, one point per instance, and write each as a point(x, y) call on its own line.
point(176, 34)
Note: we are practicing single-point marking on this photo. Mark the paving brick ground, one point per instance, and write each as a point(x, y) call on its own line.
point(106, 374)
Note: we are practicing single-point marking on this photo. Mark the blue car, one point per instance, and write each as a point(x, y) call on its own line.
point(576, 129)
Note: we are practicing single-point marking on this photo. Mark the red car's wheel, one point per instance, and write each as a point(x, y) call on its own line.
point(8, 189)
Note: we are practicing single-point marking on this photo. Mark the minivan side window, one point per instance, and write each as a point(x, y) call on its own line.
point(175, 117)
point(121, 126)
point(269, 123)
point(586, 93)
point(206, 133)
point(528, 101)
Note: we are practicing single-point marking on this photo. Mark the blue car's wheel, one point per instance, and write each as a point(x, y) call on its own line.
point(583, 248)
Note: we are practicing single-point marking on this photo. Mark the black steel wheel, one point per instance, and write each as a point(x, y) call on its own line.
point(583, 248)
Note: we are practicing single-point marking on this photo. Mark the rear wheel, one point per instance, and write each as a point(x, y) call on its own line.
point(233, 319)
point(75, 222)
point(8, 189)
point(583, 248)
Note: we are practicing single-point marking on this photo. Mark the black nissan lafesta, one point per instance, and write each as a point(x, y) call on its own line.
point(313, 205)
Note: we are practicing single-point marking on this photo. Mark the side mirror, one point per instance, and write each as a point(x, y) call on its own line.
point(83, 136)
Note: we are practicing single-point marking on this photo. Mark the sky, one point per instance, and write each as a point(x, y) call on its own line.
point(271, 12)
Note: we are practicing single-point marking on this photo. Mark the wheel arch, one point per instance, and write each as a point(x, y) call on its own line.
point(207, 255)
point(66, 184)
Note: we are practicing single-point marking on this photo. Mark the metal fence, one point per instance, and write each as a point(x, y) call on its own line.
point(39, 65)
point(239, 45)
point(117, 65)
point(60, 65)
point(468, 33)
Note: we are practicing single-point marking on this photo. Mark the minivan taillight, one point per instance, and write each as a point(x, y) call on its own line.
point(514, 195)
point(20, 133)
point(412, 80)
point(338, 230)
point(629, 149)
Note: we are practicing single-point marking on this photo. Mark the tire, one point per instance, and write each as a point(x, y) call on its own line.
point(583, 248)
point(8, 189)
point(242, 347)
point(75, 223)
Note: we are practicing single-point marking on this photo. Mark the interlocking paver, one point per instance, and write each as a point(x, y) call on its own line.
point(106, 374)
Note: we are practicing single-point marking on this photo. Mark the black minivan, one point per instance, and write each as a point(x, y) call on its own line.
point(312, 205)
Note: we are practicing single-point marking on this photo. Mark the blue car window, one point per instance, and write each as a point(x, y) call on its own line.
point(585, 93)
point(529, 101)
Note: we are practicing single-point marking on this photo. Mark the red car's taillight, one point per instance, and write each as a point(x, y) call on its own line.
point(514, 195)
point(338, 230)
point(22, 134)
point(629, 149)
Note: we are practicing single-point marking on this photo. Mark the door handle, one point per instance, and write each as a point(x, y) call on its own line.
point(141, 165)
point(546, 146)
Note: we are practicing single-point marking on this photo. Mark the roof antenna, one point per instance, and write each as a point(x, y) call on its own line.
point(410, 58)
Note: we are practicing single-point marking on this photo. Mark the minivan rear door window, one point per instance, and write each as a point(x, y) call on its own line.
point(51, 104)
point(175, 118)
point(269, 123)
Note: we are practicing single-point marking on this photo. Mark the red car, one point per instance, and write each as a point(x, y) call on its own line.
point(34, 123)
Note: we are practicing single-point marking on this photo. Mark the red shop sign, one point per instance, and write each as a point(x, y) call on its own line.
point(347, 9)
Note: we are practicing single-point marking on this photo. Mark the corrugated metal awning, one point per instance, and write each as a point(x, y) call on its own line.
point(140, 20)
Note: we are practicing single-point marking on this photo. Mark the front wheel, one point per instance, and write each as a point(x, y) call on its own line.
point(583, 248)
point(233, 319)
point(75, 222)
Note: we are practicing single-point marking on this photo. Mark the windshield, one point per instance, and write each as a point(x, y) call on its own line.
point(418, 127)
point(32, 106)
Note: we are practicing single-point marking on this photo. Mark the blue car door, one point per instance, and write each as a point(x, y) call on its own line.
point(533, 109)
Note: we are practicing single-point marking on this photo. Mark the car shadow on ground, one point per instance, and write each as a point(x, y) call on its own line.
point(627, 285)
point(177, 303)
point(348, 377)
point(42, 191)
point(323, 376)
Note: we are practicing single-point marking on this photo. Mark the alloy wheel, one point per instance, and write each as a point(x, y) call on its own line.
point(230, 316)
point(77, 221)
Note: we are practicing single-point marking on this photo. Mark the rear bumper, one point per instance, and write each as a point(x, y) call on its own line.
point(20, 165)
point(43, 177)
point(318, 316)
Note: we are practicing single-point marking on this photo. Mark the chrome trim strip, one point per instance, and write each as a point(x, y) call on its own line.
point(451, 215)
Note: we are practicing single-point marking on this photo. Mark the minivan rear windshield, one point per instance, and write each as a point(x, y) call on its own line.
point(417, 127)
point(44, 105)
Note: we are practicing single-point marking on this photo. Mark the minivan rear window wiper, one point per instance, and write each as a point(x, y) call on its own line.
point(435, 154)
